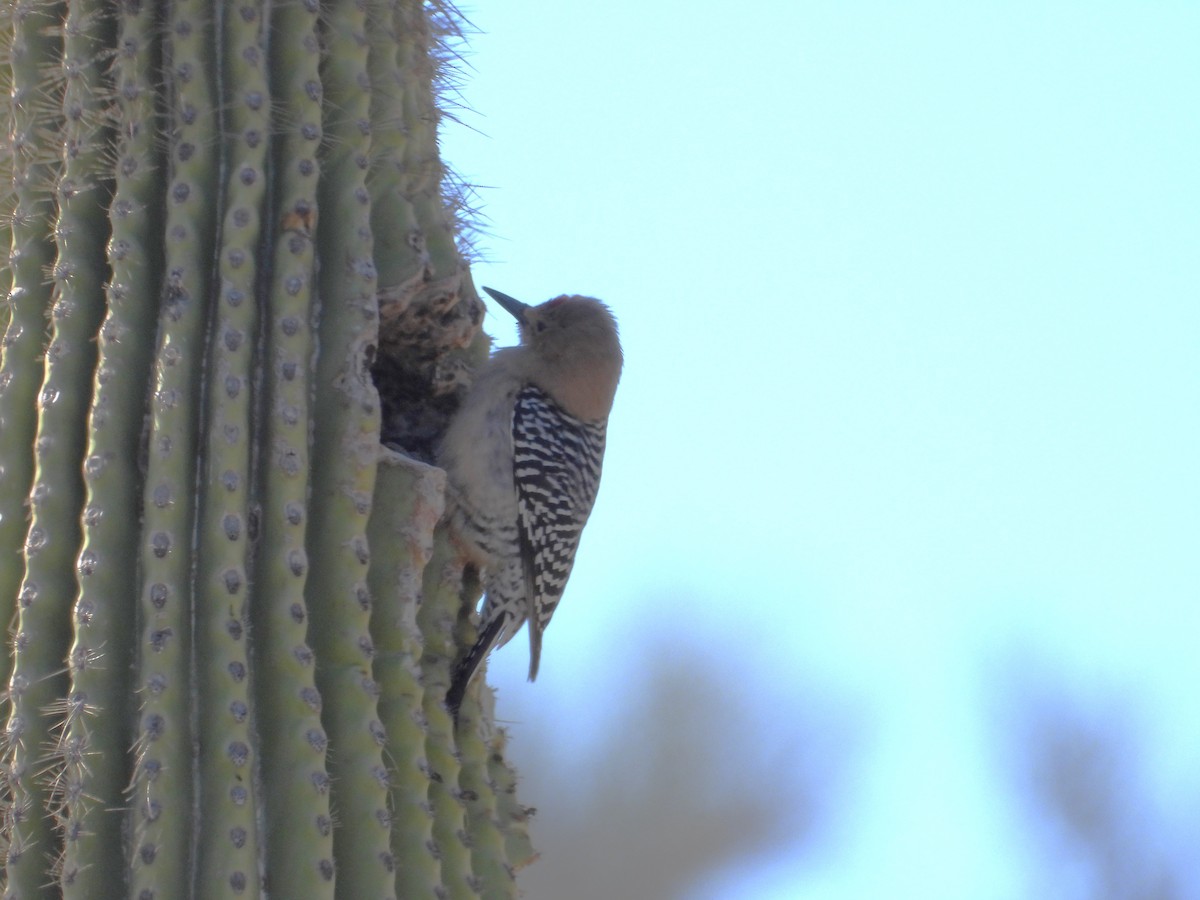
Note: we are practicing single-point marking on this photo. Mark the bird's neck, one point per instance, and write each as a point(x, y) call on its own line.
point(585, 392)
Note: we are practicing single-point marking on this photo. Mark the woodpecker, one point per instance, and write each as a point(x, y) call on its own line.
point(523, 457)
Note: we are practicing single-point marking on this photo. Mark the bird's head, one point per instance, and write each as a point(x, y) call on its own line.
point(575, 349)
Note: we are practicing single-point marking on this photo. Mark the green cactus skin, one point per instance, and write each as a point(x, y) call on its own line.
point(11, 571)
point(435, 618)
point(7, 193)
point(97, 734)
point(33, 117)
point(346, 420)
point(228, 847)
point(162, 799)
point(43, 765)
point(489, 858)
point(391, 211)
point(424, 172)
point(298, 825)
point(512, 816)
point(409, 501)
point(235, 611)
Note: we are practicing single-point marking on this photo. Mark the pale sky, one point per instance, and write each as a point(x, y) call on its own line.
point(910, 302)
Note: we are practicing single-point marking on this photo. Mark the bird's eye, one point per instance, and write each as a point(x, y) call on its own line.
point(541, 326)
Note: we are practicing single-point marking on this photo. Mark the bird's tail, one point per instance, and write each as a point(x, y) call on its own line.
point(465, 670)
point(535, 647)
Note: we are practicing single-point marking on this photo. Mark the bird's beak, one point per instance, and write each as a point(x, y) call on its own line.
point(515, 307)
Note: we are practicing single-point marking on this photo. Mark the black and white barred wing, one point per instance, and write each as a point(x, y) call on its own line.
point(557, 461)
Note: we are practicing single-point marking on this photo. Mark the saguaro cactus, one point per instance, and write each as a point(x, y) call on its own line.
point(236, 319)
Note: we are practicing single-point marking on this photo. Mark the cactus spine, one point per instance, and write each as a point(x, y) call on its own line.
point(234, 609)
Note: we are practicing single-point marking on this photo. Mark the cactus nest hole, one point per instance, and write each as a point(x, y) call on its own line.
point(420, 367)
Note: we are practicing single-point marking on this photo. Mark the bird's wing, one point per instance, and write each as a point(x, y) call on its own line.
point(557, 460)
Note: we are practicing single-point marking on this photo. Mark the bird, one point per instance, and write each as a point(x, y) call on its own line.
point(523, 457)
